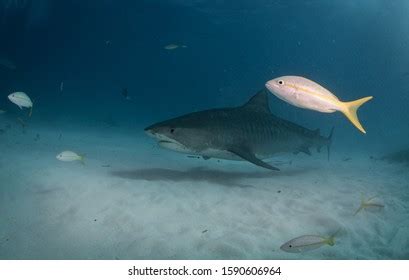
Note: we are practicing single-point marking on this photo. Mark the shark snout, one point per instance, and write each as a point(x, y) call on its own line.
point(149, 130)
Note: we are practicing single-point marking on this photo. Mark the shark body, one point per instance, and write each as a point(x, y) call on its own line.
point(249, 132)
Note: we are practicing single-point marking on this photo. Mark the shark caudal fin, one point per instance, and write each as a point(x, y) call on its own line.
point(350, 111)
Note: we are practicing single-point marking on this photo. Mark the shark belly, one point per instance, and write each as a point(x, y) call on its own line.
point(220, 154)
point(227, 155)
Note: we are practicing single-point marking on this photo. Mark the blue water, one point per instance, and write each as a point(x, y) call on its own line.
point(98, 48)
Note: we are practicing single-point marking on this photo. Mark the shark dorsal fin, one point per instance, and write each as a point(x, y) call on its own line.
point(259, 102)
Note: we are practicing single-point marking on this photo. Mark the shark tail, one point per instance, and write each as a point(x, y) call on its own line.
point(350, 111)
point(329, 142)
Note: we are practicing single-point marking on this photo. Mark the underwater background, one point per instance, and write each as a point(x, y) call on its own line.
point(99, 72)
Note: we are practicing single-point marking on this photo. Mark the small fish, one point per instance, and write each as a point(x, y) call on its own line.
point(125, 94)
point(304, 93)
point(70, 156)
point(22, 100)
point(370, 203)
point(2, 112)
point(106, 165)
point(206, 230)
point(62, 87)
point(307, 243)
point(174, 47)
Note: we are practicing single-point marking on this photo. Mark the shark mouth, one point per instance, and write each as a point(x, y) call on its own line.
point(175, 146)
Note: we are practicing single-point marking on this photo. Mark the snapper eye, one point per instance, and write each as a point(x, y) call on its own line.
point(280, 82)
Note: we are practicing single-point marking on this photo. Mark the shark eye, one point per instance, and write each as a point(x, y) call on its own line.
point(172, 130)
point(281, 82)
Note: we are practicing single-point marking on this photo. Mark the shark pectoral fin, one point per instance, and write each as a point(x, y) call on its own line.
point(249, 156)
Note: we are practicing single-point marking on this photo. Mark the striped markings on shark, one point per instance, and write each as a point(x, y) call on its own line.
point(249, 132)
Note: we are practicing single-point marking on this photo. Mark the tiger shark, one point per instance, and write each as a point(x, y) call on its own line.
point(249, 132)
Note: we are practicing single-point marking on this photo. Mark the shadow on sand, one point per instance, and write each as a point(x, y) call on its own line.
point(212, 176)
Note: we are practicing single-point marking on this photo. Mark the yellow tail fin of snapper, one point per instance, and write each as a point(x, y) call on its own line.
point(350, 111)
point(331, 239)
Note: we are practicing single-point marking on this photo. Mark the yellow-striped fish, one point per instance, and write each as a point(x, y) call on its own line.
point(307, 94)
point(70, 156)
point(371, 203)
point(22, 100)
point(306, 243)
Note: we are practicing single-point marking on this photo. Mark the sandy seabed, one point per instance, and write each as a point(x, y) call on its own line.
point(133, 200)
